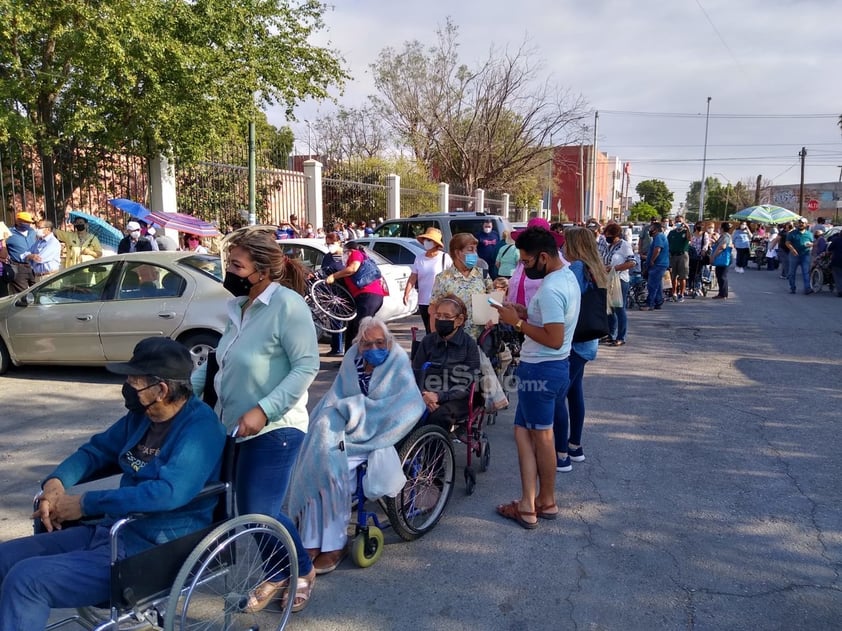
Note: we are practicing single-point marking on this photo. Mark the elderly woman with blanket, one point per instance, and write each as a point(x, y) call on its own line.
point(373, 403)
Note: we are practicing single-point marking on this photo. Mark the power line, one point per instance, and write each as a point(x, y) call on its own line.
point(732, 116)
point(722, 39)
point(759, 144)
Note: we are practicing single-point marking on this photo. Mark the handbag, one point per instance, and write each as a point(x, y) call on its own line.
point(366, 274)
point(8, 274)
point(593, 314)
point(384, 474)
point(723, 259)
point(615, 291)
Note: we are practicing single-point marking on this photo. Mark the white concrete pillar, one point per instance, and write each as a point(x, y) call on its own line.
point(505, 211)
point(162, 194)
point(393, 195)
point(444, 197)
point(315, 209)
point(479, 200)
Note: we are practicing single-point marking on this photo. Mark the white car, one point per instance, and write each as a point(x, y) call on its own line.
point(310, 253)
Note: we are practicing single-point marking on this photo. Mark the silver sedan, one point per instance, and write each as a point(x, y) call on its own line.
point(97, 311)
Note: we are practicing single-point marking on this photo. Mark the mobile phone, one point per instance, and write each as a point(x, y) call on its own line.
point(494, 303)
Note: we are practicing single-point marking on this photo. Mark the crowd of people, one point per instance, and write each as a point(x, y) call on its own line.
point(255, 387)
point(34, 247)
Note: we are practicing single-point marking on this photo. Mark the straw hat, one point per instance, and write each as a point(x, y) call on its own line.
point(431, 234)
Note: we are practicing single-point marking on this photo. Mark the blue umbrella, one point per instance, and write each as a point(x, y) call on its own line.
point(107, 234)
point(134, 209)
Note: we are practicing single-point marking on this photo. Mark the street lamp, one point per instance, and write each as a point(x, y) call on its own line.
point(309, 135)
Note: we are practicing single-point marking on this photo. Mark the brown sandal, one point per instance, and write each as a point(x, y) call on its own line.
point(512, 511)
point(263, 594)
point(543, 513)
point(303, 592)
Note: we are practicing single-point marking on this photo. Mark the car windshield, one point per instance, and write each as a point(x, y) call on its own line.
point(207, 264)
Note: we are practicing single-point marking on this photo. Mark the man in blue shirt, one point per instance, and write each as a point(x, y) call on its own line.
point(18, 245)
point(168, 446)
point(487, 246)
point(659, 260)
point(44, 257)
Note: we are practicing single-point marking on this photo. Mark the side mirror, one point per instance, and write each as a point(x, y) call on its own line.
point(25, 301)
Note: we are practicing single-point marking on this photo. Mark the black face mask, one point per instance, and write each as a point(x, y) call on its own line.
point(609, 239)
point(79, 227)
point(131, 398)
point(237, 285)
point(652, 233)
point(445, 327)
point(533, 273)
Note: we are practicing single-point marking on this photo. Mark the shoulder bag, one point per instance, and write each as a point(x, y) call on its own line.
point(366, 274)
point(593, 313)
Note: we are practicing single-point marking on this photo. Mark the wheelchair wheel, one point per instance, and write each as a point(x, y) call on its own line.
point(470, 480)
point(429, 467)
point(213, 586)
point(324, 323)
point(333, 300)
point(366, 550)
point(816, 279)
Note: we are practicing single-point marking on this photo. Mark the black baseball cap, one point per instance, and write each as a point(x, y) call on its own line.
point(161, 357)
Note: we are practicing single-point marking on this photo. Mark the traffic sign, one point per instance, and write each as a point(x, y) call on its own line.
point(813, 204)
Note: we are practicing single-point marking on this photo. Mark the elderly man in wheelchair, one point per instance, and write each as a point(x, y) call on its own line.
point(167, 448)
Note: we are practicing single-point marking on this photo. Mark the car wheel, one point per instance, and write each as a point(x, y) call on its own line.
point(5, 358)
point(200, 345)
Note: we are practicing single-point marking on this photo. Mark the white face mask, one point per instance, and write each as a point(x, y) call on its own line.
point(428, 245)
point(333, 248)
point(486, 230)
point(40, 233)
point(135, 234)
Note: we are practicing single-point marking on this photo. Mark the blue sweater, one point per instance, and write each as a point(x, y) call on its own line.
point(189, 458)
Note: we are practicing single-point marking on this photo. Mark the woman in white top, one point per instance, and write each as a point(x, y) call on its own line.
point(424, 270)
point(618, 256)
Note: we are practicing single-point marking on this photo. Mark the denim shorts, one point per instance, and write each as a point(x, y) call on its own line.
point(541, 389)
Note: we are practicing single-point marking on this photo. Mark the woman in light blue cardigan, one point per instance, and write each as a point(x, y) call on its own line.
point(268, 356)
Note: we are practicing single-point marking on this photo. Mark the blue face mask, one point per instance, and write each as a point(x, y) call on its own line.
point(470, 260)
point(376, 356)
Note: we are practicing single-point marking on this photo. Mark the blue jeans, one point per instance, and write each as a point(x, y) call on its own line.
point(618, 320)
point(264, 468)
point(568, 427)
point(655, 285)
point(541, 392)
point(804, 261)
point(61, 569)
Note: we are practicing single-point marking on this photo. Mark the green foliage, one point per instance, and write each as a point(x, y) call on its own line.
point(656, 194)
point(643, 212)
point(152, 76)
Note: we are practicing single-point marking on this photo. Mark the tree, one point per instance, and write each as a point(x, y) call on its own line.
point(656, 194)
point(150, 77)
point(351, 133)
point(721, 201)
point(643, 212)
point(484, 127)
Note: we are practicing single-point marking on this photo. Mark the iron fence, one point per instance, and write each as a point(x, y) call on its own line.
point(415, 201)
point(82, 179)
point(346, 201)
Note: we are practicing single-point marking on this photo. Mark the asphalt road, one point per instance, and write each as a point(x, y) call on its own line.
point(710, 497)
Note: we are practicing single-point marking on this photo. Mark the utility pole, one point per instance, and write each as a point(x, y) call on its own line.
point(803, 155)
point(757, 190)
point(704, 163)
point(593, 168)
point(252, 175)
point(840, 171)
point(581, 179)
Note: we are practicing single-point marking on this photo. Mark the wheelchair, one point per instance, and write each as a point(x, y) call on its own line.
point(821, 274)
point(426, 455)
point(200, 581)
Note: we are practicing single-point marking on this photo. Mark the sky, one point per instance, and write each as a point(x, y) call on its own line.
point(771, 69)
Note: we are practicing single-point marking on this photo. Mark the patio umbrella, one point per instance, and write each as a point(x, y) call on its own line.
point(134, 209)
point(107, 234)
point(183, 223)
point(765, 213)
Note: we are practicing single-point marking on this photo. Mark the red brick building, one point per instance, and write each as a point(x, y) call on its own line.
point(572, 194)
